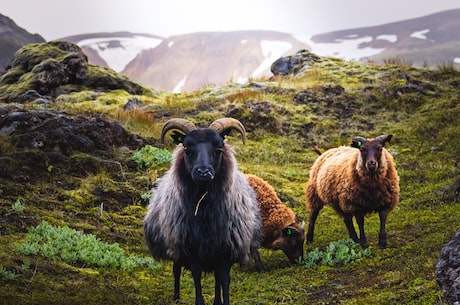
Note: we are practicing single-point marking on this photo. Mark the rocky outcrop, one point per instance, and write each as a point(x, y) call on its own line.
point(56, 68)
point(448, 270)
point(31, 140)
point(294, 64)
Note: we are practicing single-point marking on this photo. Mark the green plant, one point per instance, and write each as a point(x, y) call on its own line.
point(6, 275)
point(339, 252)
point(75, 247)
point(150, 155)
point(18, 206)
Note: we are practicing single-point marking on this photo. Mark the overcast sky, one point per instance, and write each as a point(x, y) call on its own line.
point(54, 19)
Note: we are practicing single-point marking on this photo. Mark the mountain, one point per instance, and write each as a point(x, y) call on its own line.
point(113, 50)
point(188, 62)
point(429, 40)
point(12, 38)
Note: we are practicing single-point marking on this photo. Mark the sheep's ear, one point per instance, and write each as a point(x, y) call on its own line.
point(291, 231)
point(383, 139)
point(357, 142)
point(177, 136)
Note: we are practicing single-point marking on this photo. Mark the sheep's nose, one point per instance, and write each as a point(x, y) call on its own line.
point(372, 165)
point(203, 174)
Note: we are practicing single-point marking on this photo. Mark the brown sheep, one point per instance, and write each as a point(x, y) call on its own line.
point(354, 181)
point(279, 228)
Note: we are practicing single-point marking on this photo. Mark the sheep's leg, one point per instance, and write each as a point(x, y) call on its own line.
point(196, 274)
point(383, 232)
point(222, 284)
point(362, 235)
point(348, 219)
point(257, 261)
point(177, 269)
point(311, 225)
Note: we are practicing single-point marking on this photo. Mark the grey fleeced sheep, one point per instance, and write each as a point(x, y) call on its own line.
point(280, 230)
point(354, 181)
point(203, 215)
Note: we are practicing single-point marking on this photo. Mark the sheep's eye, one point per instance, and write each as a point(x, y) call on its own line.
point(188, 149)
point(218, 152)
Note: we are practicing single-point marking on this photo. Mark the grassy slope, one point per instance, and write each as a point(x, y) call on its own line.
point(419, 107)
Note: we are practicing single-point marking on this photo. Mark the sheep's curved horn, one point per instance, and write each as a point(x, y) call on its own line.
point(181, 124)
point(225, 125)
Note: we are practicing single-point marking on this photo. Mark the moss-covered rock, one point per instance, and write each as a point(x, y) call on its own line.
point(56, 68)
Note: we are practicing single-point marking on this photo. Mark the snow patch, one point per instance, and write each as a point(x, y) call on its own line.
point(170, 44)
point(244, 41)
point(346, 49)
point(457, 60)
point(119, 51)
point(420, 34)
point(390, 38)
point(180, 85)
point(272, 50)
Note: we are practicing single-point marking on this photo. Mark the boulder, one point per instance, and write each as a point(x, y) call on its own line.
point(448, 270)
point(59, 67)
point(294, 64)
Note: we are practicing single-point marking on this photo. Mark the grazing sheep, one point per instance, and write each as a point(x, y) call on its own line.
point(279, 228)
point(355, 181)
point(203, 215)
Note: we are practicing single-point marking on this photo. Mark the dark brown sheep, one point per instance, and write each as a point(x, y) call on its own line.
point(354, 181)
point(280, 230)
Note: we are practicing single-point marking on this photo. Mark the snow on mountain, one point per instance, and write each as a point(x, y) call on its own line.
point(115, 49)
point(427, 40)
point(119, 51)
point(348, 48)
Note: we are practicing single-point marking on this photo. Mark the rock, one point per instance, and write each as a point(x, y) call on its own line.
point(294, 64)
point(448, 270)
point(59, 67)
point(133, 103)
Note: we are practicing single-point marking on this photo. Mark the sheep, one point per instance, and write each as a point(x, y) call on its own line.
point(280, 230)
point(203, 215)
point(355, 181)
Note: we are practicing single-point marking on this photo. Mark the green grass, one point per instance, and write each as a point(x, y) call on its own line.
point(420, 107)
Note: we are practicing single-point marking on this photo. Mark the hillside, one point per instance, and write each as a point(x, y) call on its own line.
point(426, 41)
point(12, 38)
point(73, 156)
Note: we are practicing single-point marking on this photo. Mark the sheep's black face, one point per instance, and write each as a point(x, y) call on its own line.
point(371, 153)
point(203, 154)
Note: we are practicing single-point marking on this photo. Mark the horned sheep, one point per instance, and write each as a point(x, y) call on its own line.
point(354, 181)
point(280, 230)
point(203, 215)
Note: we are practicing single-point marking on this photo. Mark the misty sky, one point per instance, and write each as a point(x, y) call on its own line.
point(54, 19)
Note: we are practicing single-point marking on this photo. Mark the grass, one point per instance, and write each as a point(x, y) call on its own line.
point(420, 107)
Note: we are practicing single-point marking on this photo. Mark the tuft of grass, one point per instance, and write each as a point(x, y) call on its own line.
point(75, 247)
point(344, 251)
point(18, 206)
point(150, 155)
